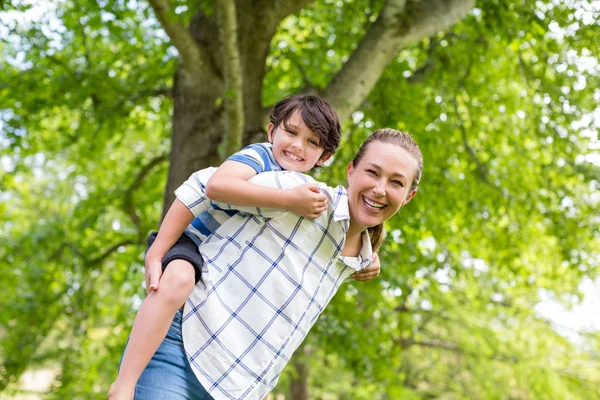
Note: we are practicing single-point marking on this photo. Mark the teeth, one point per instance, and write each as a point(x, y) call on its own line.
point(293, 156)
point(373, 204)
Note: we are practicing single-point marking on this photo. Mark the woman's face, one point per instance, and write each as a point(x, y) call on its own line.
point(380, 184)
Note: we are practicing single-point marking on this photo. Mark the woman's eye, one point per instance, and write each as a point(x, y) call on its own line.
point(292, 133)
point(313, 142)
point(371, 172)
point(398, 183)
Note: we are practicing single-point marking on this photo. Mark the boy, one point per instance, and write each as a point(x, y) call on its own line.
point(303, 132)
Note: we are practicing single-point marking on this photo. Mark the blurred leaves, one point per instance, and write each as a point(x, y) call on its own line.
point(504, 107)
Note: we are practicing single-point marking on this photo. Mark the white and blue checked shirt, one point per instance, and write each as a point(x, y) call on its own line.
point(268, 275)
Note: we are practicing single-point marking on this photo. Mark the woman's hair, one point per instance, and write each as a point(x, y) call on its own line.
point(398, 138)
point(376, 235)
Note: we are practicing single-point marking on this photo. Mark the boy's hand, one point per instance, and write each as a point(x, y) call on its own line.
point(153, 272)
point(308, 201)
point(369, 273)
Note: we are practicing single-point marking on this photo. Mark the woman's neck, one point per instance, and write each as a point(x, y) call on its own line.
point(353, 243)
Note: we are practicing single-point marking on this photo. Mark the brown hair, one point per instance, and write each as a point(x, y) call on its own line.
point(398, 138)
point(316, 113)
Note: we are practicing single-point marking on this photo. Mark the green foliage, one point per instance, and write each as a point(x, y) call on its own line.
point(501, 106)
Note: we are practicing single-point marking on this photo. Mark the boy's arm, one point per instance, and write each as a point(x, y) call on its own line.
point(229, 184)
point(177, 219)
point(192, 193)
point(191, 201)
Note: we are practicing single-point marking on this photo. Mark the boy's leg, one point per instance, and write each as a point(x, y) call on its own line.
point(151, 325)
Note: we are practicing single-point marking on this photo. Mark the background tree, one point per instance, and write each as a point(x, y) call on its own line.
point(107, 106)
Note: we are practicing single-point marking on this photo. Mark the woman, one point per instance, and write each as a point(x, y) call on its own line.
point(270, 273)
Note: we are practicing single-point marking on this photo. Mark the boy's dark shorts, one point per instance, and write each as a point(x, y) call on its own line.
point(183, 249)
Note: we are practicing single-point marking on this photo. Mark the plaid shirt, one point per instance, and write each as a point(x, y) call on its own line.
point(268, 275)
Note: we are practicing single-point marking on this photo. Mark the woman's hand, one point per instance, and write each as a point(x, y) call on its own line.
point(370, 273)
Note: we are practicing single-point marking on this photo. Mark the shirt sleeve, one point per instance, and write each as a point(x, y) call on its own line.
point(257, 155)
point(192, 192)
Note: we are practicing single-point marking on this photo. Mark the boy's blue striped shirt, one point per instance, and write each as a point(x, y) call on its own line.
point(258, 156)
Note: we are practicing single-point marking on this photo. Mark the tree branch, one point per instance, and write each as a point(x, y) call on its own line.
point(88, 60)
point(433, 343)
point(190, 52)
point(139, 179)
point(283, 8)
point(111, 250)
point(481, 168)
point(400, 23)
point(453, 347)
point(156, 92)
point(472, 153)
point(308, 86)
point(419, 74)
point(234, 100)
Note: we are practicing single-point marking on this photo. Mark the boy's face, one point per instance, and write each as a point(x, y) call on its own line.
point(296, 148)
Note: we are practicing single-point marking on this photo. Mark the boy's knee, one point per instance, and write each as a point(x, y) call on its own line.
point(177, 281)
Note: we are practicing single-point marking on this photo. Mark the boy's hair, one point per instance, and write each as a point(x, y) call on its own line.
point(316, 113)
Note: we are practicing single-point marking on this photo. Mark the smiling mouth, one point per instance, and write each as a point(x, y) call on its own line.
point(373, 205)
point(292, 156)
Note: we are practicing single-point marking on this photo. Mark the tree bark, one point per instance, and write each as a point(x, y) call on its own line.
point(299, 384)
point(197, 129)
point(233, 98)
point(191, 55)
point(199, 122)
point(399, 24)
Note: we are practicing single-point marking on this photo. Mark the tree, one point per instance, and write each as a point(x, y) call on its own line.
point(210, 70)
point(98, 96)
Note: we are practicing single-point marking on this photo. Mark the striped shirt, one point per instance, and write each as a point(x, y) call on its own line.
point(268, 275)
point(258, 156)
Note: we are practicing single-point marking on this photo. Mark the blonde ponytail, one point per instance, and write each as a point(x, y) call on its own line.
point(376, 234)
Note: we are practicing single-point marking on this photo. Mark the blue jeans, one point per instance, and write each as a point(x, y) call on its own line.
point(168, 375)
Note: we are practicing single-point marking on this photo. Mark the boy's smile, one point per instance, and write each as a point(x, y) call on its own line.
point(293, 156)
point(295, 146)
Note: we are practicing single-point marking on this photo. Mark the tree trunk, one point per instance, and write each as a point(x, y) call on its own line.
point(199, 118)
point(197, 129)
point(299, 384)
